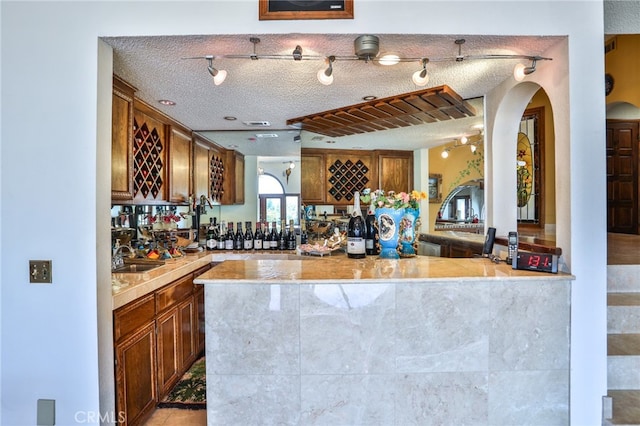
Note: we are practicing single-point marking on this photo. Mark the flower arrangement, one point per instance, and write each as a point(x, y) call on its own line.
point(391, 199)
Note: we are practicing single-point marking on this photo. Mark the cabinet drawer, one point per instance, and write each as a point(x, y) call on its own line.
point(174, 292)
point(133, 316)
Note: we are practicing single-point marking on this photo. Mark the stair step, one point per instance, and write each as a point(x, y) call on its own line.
point(623, 316)
point(623, 299)
point(626, 407)
point(623, 278)
point(623, 344)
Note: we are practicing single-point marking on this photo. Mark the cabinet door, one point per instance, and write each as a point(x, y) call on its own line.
point(179, 166)
point(238, 178)
point(136, 376)
point(167, 339)
point(201, 170)
point(346, 172)
point(233, 183)
point(187, 333)
point(395, 170)
point(149, 156)
point(199, 321)
point(122, 141)
point(313, 182)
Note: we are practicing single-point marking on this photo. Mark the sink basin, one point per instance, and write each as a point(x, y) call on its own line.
point(134, 268)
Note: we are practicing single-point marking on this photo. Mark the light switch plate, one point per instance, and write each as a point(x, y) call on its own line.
point(40, 271)
point(46, 414)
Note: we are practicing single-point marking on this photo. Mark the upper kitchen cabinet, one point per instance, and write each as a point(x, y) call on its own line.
point(218, 173)
point(235, 178)
point(180, 177)
point(395, 170)
point(313, 186)
point(122, 141)
point(149, 155)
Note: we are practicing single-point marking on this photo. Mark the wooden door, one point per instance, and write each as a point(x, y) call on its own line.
point(179, 166)
point(395, 170)
point(187, 333)
point(313, 182)
point(167, 341)
point(622, 177)
point(122, 141)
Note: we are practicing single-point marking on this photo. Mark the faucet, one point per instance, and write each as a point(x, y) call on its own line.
point(117, 260)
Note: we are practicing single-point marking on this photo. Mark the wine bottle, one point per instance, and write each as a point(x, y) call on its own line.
point(266, 237)
point(304, 237)
point(356, 231)
point(282, 236)
point(257, 237)
point(371, 243)
point(238, 242)
point(274, 237)
point(221, 235)
point(212, 243)
point(228, 242)
point(248, 236)
point(291, 236)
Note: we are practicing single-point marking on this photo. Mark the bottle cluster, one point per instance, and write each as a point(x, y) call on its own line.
point(226, 236)
point(362, 233)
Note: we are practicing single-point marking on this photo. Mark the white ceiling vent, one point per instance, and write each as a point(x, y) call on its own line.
point(266, 135)
point(257, 123)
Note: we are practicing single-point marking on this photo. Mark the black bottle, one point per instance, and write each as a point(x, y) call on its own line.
point(228, 241)
point(248, 236)
point(238, 242)
point(304, 237)
point(291, 236)
point(371, 243)
point(282, 237)
point(356, 231)
point(273, 244)
point(257, 237)
point(212, 240)
point(266, 237)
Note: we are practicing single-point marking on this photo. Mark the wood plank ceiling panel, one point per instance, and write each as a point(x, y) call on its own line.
point(414, 108)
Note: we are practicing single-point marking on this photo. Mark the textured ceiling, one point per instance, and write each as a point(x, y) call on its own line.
point(276, 90)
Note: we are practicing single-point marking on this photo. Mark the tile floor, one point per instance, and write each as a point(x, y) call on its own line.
point(622, 250)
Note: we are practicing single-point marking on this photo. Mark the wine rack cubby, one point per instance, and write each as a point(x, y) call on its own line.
point(147, 161)
point(346, 178)
point(216, 169)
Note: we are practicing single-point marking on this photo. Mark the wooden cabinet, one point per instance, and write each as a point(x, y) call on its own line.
point(218, 173)
point(332, 176)
point(395, 170)
point(201, 155)
point(156, 339)
point(313, 187)
point(122, 140)
point(180, 176)
point(149, 156)
point(234, 178)
point(135, 358)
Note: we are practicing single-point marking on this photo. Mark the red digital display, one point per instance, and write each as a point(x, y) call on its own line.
point(544, 262)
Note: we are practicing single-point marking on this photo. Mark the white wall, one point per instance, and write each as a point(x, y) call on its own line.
point(52, 141)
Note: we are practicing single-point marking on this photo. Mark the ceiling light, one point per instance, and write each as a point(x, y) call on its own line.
point(389, 59)
point(166, 102)
point(230, 118)
point(473, 148)
point(218, 75)
point(445, 153)
point(464, 140)
point(366, 47)
point(292, 165)
point(297, 53)
point(325, 76)
point(421, 77)
point(369, 98)
point(521, 70)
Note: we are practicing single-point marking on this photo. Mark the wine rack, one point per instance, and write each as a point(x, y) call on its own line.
point(147, 161)
point(346, 178)
point(216, 169)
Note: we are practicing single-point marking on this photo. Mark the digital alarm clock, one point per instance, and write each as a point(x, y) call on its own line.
point(530, 261)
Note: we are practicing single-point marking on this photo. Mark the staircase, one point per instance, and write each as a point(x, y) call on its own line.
point(623, 343)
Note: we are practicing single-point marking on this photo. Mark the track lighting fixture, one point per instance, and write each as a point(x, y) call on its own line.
point(325, 76)
point(445, 153)
point(473, 147)
point(520, 70)
point(366, 48)
point(218, 75)
point(421, 77)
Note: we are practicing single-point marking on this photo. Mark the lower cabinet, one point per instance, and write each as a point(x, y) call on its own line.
point(156, 339)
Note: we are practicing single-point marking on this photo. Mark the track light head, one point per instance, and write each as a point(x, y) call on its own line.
point(520, 70)
point(421, 77)
point(445, 153)
point(297, 53)
point(325, 76)
point(218, 75)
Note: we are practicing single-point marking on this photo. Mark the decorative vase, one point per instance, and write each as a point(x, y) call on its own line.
point(409, 231)
point(388, 220)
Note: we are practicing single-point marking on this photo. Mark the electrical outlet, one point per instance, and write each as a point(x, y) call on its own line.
point(40, 271)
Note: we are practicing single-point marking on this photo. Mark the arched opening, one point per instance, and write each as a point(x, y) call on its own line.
point(275, 204)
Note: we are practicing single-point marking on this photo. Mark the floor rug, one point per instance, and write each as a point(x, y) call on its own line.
point(191, 390)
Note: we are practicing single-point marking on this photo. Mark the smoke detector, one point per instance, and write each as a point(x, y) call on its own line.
point(367, 46)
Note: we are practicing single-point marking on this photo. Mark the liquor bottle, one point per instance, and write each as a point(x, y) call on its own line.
point(228, 242)
point(257, 237)
point(212, 241)
point(221, 235)
point(282, 236)
point(273, 244)
point(238, 243)
point(291, 236)
point(356, 231)
point(371, 243)
point(266, 236)
point(304, 237)
point(248, 236)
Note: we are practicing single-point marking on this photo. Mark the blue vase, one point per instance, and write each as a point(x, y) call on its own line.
point(388, 220)
point(409, 231)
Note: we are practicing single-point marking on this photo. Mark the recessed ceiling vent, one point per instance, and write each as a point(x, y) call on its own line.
point(257, 123)
point(367, 46)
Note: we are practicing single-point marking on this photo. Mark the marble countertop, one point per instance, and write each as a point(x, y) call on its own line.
point(285, 267)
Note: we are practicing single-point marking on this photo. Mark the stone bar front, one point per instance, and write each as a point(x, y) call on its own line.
point(421, 341)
